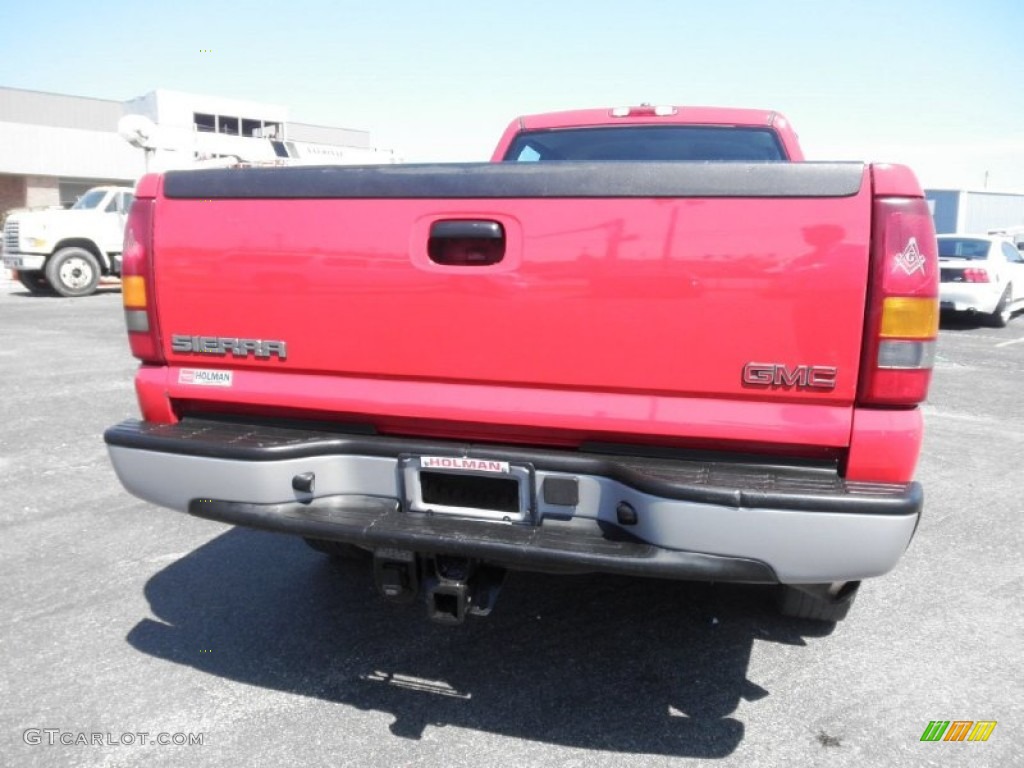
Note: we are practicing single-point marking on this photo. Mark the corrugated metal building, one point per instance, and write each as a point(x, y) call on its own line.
point(975, 211)
point(53, 147)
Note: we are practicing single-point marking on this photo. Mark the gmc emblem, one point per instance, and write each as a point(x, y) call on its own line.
point(800, 376)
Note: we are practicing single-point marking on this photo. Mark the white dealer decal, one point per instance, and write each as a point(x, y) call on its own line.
point(204, 377)
point(911, 260)
point(454, 462)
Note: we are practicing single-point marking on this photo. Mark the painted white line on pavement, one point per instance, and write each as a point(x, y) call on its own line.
point(1011, 341)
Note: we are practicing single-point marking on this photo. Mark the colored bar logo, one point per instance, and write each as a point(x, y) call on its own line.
point(958, 730)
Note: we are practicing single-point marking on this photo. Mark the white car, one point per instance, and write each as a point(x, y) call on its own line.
point(981, 274)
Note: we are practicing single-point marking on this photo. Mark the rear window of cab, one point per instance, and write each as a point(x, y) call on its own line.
point(633, 143)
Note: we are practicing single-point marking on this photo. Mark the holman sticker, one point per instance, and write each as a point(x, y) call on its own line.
point(204, 377)
point(458, 462)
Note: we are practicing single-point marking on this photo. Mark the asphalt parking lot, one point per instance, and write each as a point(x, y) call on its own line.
point(122, 619)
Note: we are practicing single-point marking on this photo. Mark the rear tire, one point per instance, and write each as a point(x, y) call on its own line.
point(1002, 314)
point(73, 272)
point(35, 281)
point(338, 550)
point(798, 604)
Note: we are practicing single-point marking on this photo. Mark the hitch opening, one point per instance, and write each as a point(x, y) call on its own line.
point(454, 586)
point(447, 602)
point(459, 587)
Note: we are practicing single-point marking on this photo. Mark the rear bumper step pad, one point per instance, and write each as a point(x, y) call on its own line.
point(578, 546)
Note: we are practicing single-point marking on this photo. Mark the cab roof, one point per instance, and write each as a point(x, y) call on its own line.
point(680, 115)
point(646, 114)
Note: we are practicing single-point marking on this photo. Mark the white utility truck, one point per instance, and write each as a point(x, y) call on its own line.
point(68, 250)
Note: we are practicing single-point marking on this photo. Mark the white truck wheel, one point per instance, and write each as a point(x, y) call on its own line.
point(73, 271)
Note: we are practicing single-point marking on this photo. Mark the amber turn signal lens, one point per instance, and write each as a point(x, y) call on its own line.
point(133, 291)
point(904, 317)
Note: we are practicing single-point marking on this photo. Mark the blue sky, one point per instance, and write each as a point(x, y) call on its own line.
point(939, 85)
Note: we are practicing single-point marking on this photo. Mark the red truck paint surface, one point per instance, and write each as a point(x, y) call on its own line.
point(648, 296)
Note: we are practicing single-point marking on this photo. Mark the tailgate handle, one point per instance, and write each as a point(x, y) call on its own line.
point(466, 242)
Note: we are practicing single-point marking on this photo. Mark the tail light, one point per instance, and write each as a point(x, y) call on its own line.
point(137, 283)
point(975, 276)
point(903, 310)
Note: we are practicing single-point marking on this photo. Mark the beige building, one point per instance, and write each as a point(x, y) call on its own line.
point(53, 147)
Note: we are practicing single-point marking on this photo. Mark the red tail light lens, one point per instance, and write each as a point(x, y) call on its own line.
point(903, 310)
point(975, 276)
point(137, 283)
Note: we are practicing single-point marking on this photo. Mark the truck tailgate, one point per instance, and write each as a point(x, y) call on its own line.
point(658, 280)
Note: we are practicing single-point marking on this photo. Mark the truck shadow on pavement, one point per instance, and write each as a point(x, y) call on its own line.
point(595, 662)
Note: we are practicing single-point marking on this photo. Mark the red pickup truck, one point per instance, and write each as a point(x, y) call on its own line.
point(650, 341)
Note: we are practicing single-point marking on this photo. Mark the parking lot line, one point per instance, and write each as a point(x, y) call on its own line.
point(1011, 341)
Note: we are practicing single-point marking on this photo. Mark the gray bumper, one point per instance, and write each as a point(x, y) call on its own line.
point(696, 519)
point(24, 261)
